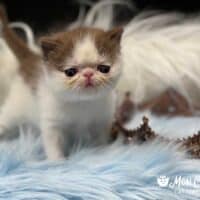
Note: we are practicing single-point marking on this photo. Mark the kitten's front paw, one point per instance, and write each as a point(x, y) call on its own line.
point(56, 156)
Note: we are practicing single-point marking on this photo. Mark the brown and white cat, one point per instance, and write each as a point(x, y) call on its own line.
point(77, 92)
point(71, 94)
point(19, 69)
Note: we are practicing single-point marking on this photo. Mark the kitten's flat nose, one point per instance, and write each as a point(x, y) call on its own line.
point(88, 74)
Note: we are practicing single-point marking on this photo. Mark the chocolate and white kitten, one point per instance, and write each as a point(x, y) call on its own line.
point(77, 94)
point(72, 92)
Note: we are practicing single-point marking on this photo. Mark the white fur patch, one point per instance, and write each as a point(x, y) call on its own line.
point(8, 68)
point(19, 107)
point(85, 51)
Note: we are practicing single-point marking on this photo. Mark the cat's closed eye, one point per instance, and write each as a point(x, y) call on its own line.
point(103, 68)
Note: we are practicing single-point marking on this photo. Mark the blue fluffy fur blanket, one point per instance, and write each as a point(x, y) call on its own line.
point(151, 171)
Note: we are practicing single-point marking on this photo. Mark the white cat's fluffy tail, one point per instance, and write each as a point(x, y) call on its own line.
point(159, 50)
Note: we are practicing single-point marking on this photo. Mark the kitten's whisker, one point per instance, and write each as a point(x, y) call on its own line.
point(71, 82)
point(105, 82)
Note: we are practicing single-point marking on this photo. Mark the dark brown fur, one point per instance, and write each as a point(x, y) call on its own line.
point(29, 61)
point(58, 47)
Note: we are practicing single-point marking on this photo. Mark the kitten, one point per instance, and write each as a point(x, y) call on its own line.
point(77, 94)
point(72, 93)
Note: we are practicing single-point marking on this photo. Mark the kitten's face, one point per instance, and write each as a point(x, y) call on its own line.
point(83, 63)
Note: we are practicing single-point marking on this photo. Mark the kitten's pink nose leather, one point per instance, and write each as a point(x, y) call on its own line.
point(88, 74)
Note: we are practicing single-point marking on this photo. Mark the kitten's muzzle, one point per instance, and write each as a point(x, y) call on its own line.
point(88, 74)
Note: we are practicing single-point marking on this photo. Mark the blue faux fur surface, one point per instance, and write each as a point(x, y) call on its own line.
point(111, 173)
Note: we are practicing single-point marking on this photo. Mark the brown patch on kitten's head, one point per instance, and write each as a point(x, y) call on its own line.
point(59, 47)
point(109, 44)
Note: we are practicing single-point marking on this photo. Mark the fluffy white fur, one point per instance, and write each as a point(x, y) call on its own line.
point(85, 52)
point(85, 121)
point(162, 51)
point(8, 68)
point(159, 50)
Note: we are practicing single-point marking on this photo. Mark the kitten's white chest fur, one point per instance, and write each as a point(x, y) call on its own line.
point(81, 113)
point(61, 122)
point(85, 121)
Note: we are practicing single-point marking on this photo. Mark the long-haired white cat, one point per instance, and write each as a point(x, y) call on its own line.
point(71, 94)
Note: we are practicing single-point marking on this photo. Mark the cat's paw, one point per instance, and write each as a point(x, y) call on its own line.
point(56, 156)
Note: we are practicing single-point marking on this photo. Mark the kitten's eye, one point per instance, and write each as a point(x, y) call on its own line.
point(103, 68)
point(71, 71)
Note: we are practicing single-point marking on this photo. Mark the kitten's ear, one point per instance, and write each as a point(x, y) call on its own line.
point(115, 34)
point(48, 46)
